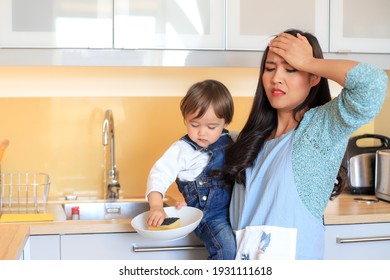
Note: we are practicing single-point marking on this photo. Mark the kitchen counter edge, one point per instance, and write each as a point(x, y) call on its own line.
point(345, 209)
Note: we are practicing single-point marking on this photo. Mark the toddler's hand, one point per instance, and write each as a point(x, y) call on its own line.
point(156, 217)
point(180, 204)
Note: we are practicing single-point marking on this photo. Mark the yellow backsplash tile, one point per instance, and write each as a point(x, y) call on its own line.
point(62, 136)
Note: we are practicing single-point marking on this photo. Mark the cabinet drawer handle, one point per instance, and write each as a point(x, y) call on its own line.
point(167, 248)
point(113, 210)
point(362, 239)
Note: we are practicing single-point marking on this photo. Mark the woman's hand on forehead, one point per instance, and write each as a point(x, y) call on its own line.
point(296, 51)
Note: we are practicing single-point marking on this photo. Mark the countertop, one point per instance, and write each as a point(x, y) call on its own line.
point(356, 209)
point(13, 236)
point(343, 210)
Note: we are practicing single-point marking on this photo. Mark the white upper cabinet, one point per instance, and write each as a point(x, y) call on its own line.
point(221, 33)
point(252, 23)
point(169, 24)
point(361, 26)
point(56, 24)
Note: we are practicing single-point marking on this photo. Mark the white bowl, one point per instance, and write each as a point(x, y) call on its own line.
point(189, 219)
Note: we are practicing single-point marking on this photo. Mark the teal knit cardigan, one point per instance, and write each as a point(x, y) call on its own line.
point(321, 138)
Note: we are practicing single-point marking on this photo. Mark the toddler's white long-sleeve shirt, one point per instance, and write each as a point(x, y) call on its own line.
point(180, 161)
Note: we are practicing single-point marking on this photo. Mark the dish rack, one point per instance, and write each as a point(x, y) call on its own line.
point(24, 192)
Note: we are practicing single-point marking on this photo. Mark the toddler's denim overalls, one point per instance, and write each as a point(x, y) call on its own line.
point(211, 193)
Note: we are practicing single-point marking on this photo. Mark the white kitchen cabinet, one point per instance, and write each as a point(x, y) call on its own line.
point(42, 247)
point(169, 24)
point(129, 246)
point(361, 26)
point(25, 255)
point(251, 23)
point(56, 24)
point(357, 242)
point(192, 33)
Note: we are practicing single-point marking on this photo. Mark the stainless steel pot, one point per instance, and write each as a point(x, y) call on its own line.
point(360, 162)
point(382, 175)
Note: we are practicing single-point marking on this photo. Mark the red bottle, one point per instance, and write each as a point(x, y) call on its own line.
point(75, 213)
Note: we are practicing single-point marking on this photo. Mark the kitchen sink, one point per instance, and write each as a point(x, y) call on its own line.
point(107, 210)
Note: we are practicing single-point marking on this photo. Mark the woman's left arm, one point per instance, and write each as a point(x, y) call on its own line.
point(366, 80)
point(298, 53)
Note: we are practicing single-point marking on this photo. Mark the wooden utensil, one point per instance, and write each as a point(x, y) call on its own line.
point(3, 146)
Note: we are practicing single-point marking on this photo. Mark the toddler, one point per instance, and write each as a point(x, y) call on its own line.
point(195, 162)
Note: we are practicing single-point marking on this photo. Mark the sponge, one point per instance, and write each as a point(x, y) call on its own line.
point(168, 223)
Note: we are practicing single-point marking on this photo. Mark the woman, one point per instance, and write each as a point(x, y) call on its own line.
point(289, 152)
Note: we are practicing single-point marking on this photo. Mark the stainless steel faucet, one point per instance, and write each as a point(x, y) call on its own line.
point(111, 183)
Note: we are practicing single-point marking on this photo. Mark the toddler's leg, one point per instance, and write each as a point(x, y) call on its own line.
point(219, 240)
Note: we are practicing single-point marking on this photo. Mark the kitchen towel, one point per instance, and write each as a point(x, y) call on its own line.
point(12, 218)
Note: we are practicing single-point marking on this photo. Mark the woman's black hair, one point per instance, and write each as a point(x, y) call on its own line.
point(262, 120)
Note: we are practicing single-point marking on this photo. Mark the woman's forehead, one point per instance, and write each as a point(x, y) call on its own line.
point(273, 58)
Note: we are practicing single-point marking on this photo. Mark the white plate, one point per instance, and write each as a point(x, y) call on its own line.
point(189, 219)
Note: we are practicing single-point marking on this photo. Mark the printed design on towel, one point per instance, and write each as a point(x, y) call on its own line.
point(266, 243)
point(265, 239)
